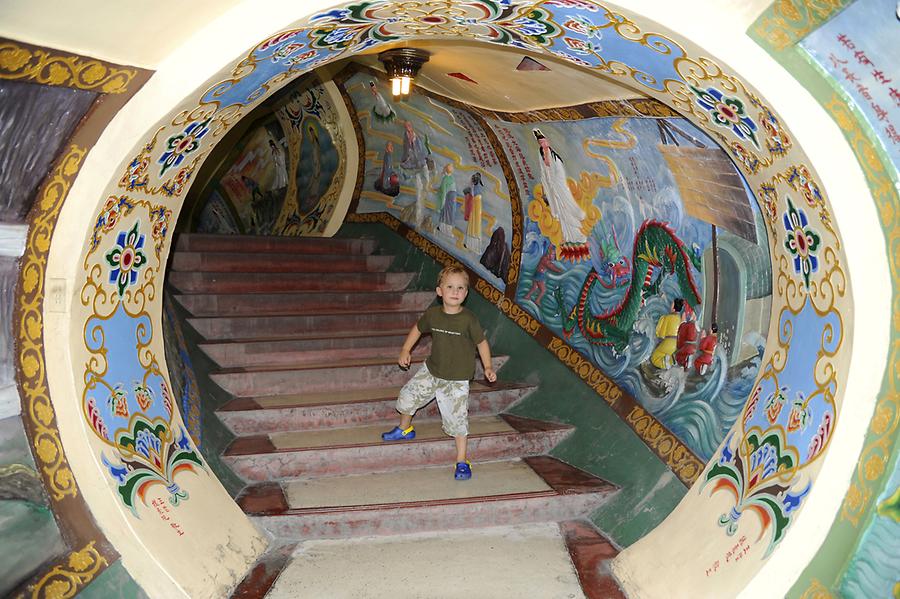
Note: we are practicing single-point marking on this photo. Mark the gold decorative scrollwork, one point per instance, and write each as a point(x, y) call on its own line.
point(136, 177)
point(590, 374)
point(786, 22)
point(429, 248)
point(526, 321)
point(816, 590)
point(67, 580)
point(678, 457)
point(874, 457)
point(35, 65)
point(882, 434)
point(370, 217)
point(515, 204)
point(38, 409)
point(222, 120)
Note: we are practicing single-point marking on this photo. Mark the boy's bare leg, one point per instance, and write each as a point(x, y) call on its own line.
point(405, 421)
point(461, 444)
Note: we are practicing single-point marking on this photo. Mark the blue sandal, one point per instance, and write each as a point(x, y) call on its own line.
point(463, 471)
point(398, 434)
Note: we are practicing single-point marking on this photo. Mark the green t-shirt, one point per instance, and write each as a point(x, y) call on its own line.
point(453, 341)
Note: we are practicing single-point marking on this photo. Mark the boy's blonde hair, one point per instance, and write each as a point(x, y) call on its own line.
point(453, 269)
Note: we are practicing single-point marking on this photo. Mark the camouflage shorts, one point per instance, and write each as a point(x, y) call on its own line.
point(452, 398)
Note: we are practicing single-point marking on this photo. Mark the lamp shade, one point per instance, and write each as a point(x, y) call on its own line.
point(402, 65)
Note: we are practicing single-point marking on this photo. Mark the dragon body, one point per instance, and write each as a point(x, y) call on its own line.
point(657, 251)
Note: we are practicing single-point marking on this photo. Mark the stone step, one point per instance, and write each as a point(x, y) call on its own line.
point(310, 411)
point(262, 282)
point(252, 353)
point(240, 328)
point(250, 304)
point(356, 373)
point(281, 354)
point(510, 492)
point(198, 242)
point(357, 450)
point(259, 262)
point(538, 560)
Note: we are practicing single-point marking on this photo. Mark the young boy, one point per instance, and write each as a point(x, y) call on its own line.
point(455, 335)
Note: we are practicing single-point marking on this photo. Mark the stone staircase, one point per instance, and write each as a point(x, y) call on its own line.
point(305, 334)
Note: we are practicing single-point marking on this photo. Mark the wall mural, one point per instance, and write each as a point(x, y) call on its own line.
point(611, 245)
point(431, 165)
point(181, 372)
point(765, 468)
point(281, 179)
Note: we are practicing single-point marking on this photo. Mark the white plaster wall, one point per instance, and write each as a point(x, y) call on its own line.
point(720, 31)
point(98, 29)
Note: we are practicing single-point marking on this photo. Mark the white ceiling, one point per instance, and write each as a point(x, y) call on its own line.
point(499, 86)
point(128, 32)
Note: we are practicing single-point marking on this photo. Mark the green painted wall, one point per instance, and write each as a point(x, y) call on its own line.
point(114, 582)
point(602, 444)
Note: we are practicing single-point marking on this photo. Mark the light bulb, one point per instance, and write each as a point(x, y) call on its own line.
point(404, 85)
point(395, 86)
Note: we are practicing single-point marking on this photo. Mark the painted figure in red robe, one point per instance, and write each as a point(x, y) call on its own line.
point(707, 348)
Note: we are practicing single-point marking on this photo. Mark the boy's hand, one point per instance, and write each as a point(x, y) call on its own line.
point(490, 375)
point(404, 359)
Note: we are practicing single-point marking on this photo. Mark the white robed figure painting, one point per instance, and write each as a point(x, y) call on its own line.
point(382, 110)
point(557, 194)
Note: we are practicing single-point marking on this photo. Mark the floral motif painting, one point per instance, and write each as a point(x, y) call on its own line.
point(127, 401)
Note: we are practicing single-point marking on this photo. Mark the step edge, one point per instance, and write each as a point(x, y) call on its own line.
point(227, 454)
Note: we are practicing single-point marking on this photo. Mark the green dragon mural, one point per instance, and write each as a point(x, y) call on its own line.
point(656, 248)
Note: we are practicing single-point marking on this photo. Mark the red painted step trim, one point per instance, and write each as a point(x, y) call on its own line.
point(589, 551)
point(262, 576)
point(248, 403)
point(261, 444)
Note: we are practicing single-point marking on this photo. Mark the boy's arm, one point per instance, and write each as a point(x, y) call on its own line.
point(405, 357)
point(484, 352)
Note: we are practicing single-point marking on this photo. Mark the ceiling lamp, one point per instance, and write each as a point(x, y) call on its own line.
point(402, 64)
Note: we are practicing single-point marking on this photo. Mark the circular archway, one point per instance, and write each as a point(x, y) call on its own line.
point(118, 207)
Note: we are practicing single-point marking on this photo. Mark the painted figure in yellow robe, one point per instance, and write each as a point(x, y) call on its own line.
point(473, 231)
point(667, 331)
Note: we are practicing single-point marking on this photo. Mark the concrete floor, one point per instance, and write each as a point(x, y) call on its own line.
point(488, 563)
